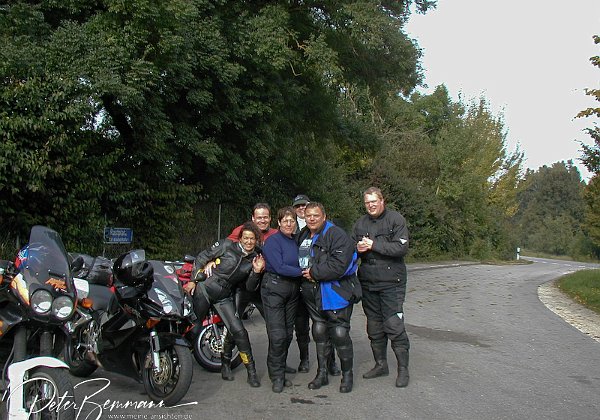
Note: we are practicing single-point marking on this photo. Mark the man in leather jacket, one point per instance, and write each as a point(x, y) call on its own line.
point(302, 322)
point(326, 256)
point(239, 263)
point(382, 242)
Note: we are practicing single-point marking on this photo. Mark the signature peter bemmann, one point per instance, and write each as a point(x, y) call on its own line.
point(88, 406)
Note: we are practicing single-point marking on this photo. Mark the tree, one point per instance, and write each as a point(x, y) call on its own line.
point(551, 210)
point(591, 159)
point(591, 154)
point(136, 112)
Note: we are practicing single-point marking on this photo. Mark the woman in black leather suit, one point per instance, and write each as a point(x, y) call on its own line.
point(238, 262)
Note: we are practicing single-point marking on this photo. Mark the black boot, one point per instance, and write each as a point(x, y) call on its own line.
point(304, 365)
point(379, 349)
point(346, 358)
point(226, 372)
point(347, 381)
point(251, 368)
point(332, 367)
point(322, 378)
point(402, 357)
point(278, 385)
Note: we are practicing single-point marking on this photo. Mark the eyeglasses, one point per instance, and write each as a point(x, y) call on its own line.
point(287, 222)
point(299, 205)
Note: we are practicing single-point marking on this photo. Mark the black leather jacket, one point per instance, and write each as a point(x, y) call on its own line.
point(384, 264)
point(234, 268)
point(332, 253)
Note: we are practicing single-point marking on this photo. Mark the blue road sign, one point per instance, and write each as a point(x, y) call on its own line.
point(118, 235)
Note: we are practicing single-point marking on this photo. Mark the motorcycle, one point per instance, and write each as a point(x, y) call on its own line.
point(37, 297)
point(134, 324)
point(207, 335)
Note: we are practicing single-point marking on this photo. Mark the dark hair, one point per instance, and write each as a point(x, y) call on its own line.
point(261, 206)
point(314, 204)
point(251, 227)
point(284, 211)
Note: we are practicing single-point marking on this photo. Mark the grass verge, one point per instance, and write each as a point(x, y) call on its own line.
point(584, 287)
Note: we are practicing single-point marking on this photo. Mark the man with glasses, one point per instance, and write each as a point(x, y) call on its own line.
point(381, 238)
point(299, 204)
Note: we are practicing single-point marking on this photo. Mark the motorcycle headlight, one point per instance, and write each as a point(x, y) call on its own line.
point(41, 301)
point(62, 307)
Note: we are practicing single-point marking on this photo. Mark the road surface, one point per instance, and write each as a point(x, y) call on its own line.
point(483, 346)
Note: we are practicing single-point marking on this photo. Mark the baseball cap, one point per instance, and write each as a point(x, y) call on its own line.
point(300, 199)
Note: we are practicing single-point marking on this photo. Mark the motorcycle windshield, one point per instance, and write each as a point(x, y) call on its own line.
point(45, 261)
point(166, 290)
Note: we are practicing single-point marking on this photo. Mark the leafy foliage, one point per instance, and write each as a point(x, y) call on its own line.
point(591, 159)
point(174, 118)
point(550, 217)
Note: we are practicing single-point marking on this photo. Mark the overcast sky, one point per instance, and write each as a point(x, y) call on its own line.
point(528, 58)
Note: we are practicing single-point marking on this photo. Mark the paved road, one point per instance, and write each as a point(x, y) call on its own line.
point(483, 347)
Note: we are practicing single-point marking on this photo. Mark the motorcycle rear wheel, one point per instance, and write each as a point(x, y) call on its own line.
point(47, 385)
point(207, 349)
point(173, 381)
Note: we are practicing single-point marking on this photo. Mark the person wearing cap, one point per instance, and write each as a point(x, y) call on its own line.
point(299, 204)
point(302, 323)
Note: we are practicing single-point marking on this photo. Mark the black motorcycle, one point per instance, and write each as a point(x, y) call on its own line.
point(134, 327)
point(37, 298)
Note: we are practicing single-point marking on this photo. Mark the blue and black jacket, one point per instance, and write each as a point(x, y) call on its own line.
point(333, 266)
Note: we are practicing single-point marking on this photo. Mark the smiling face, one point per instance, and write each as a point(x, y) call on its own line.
point(262, 218)
point(299, 209)
point(248, 240)
point(315, 218)
point(374, 205)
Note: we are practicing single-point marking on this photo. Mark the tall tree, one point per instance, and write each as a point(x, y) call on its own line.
point(591, 159)
point(551, 209)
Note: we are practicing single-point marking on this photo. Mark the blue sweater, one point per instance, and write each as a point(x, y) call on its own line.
point(281, 256)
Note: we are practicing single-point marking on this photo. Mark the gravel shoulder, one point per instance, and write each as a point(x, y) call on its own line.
point(580, 317)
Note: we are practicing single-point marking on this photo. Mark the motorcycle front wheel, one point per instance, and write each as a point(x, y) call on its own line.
point(42, 392)
point(75, 352)
point(172, 381)
point(207, 347)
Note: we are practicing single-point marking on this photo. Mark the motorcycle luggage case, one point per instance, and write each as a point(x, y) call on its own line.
point(96, 270)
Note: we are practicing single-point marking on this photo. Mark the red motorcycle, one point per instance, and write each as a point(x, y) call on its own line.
point(207, 336)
